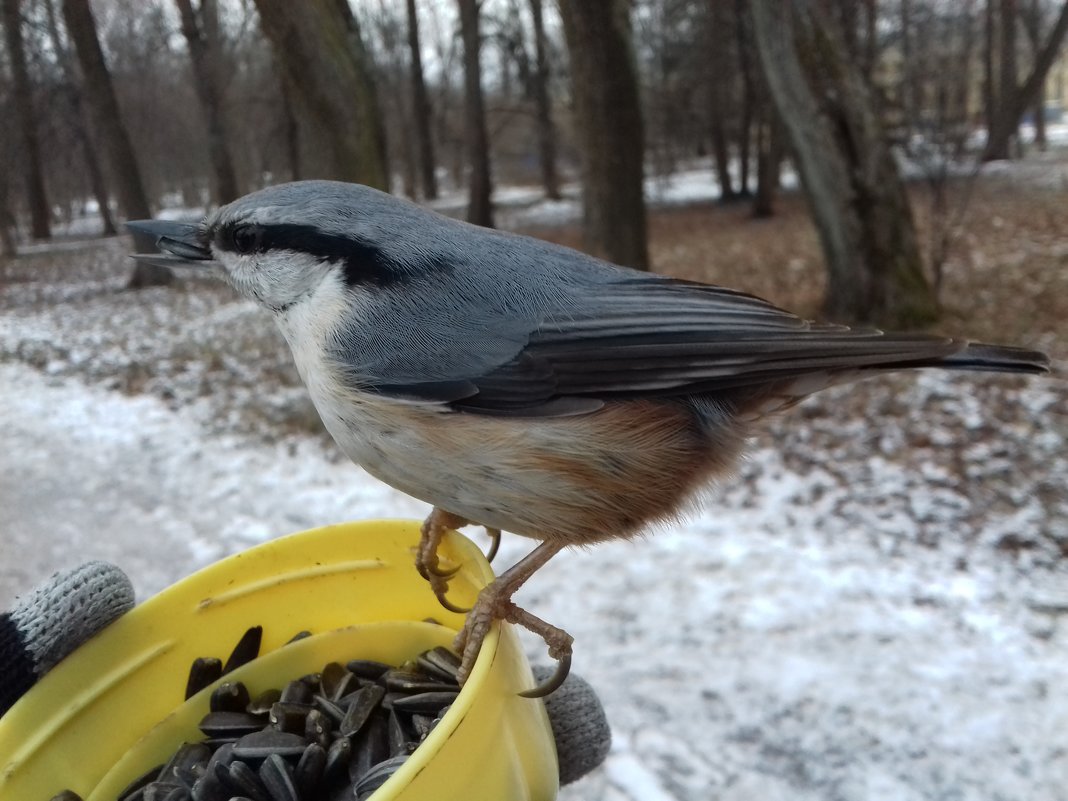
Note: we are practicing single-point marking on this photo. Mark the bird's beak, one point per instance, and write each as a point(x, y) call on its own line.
point(170, 244)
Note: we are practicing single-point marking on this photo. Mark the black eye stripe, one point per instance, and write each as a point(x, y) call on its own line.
point(362, 263)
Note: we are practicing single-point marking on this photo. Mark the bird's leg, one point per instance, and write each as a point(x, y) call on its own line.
point(426, 557)
point(495, 603)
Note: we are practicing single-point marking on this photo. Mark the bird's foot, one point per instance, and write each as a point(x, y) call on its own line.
point(426, 557)
point(495, 603)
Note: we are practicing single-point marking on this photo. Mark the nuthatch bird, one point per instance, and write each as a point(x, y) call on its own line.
point(517, 384)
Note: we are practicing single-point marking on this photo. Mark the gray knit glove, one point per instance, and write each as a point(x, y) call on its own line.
point(579, 725)
point(53, 620)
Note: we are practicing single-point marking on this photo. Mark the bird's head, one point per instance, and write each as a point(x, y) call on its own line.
point(277, 246)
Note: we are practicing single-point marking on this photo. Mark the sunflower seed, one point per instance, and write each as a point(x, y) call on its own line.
point(425, 702)
point(337, 759)
point(296, 692)
point(247, 649)
point(230, 696)
point(187, 764)
point(262, 703)
point(367, 668)
point(277, 778)
point(309, 771)
point(202, 672)
point(230, 724)
point(318, 728)
point(363, 703)
point(411, 682)
point(377, 775)
point(261, 744)
point(290, 717)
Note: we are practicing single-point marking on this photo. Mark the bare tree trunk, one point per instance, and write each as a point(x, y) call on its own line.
point(1033, 26)
point(104, 108)
point(769, 161)
point(1011, 107)
point(874, 265)
point(480, 207)
point(327, 66)
point(719, 83)
point(81, 122)
point(107, 121)
point(609, 126)
point(290, 129)
point(421, 111)
point(1006, 82)
point(990, 100)
point(201, 30)
point(8, 245)
point(40, 214)
point(550, 180)
point(749, 96)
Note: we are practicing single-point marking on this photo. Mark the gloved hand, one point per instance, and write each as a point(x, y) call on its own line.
point(72, 606)
point(53, 620)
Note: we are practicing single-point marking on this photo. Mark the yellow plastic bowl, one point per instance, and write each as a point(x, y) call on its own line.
point(114, 708)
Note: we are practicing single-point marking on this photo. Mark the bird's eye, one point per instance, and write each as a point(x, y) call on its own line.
point(247, 238)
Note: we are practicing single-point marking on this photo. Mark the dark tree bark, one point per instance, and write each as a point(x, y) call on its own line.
point(1009, 108)
point(750, 100)
point(329, 70)
point(480, 207)
point(856, 196)
point(720, 81)
point(1033, 26)
point(107, 121)
point(1006, 83)
point(73, 92)
point(290, 128)
point(421, 111)
point(989, 95)
point(8, 245)
point(550, 179)
point(609, 129)
point(40, 215)
point(769, 160)
point(201, 30)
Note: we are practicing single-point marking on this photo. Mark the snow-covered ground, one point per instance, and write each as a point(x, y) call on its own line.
point(875, 608)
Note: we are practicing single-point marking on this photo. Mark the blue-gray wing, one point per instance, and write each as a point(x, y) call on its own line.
point(635, 336)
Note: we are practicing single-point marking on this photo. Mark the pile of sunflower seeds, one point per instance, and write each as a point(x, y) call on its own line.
point(337, 734)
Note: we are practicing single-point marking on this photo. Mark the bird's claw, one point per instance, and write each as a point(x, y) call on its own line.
point(552, 684)
point(495, 542)
point(436, 570)
point(439, 593)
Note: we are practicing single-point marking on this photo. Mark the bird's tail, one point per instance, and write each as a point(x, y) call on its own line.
point(979, 356)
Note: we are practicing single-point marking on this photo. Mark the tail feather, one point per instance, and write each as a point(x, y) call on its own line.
point(995, 358)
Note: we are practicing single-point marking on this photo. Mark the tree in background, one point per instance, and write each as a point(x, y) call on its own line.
point(857, 199)
point(424, 140)
point(324, 60)
point(1006, 106)
point(104, 108)
point(200, 26)
point(608, 123)
point(40, 214)
point(480, 183)
point(550, 180)
point(73, 92)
